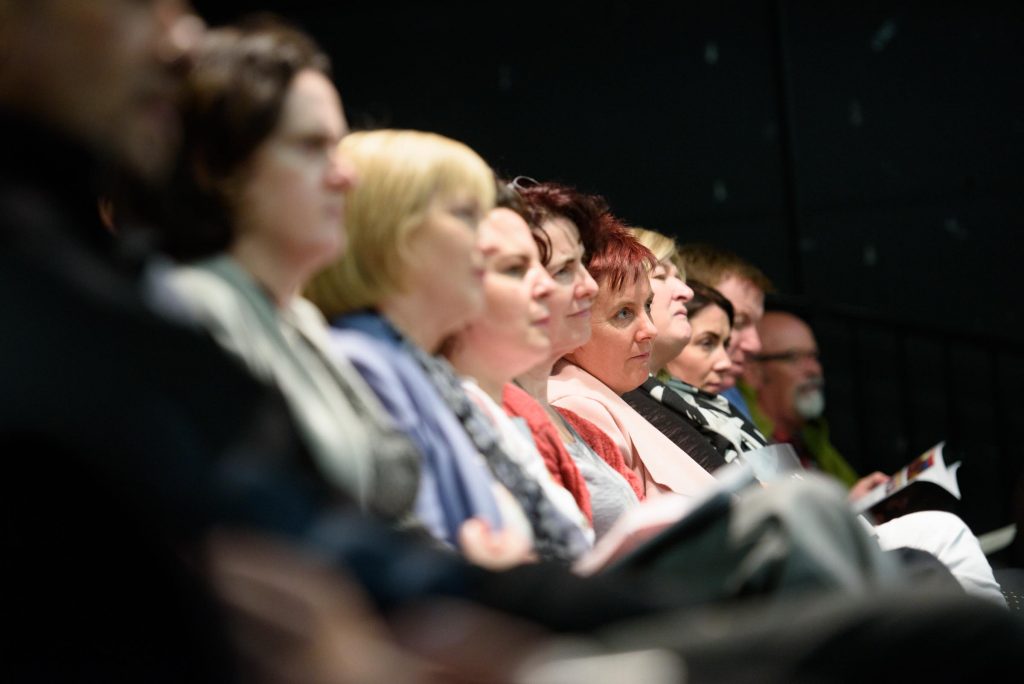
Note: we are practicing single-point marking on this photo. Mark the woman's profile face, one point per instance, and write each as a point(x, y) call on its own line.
point(574, 290)
point(511, 333)
point(443, 263)
point(622, 336)
point(668, 310)
point(290, 194)
point(704, 361)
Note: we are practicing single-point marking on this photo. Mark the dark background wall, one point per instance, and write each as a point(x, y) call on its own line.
point(868, 156)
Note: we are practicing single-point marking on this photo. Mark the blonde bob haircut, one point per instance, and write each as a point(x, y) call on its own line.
point(399, 175)
point(663, 247)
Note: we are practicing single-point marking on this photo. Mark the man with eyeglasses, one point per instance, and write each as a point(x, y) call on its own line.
point(787, 383)
point(784, 387)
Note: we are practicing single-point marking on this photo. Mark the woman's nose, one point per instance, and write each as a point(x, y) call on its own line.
point(341, 174)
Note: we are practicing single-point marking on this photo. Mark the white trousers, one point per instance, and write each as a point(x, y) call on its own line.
point(948, 538)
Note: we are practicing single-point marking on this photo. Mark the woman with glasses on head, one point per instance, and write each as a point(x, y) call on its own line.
point(581, 457)
point(510, 335)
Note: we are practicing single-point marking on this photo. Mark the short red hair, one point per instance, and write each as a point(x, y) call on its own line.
point(620, 259)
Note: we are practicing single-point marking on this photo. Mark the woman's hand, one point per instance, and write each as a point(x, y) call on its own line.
point(494, 550)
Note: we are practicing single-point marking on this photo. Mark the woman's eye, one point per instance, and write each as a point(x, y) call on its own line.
point(515, 271)
point(624, 314)
point(564, 273)
point(468, 215)
point(316, 144)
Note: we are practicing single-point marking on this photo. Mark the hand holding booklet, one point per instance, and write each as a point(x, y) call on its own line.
point(928, 467)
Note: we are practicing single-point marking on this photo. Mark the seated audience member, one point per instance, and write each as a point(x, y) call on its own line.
point(591, 379)
point(695, 376)
point(627, 336)
point(941, 535)
point(670, 314)
point(407, 218)
point(132, 439)
point(704, 360)
point(683, 553)
point(509, 336)
point(265, 177)
point(745, 286)
point(785, 392)
point(414, 217)
point(578, 454)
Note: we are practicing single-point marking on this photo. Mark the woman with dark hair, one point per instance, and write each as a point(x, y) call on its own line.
point(510, 335)
point(697, 336)
point(578, 454)
point(259, 197)
point(705, 358)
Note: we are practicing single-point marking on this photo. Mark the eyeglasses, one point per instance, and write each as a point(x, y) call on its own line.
point(523, 183)
point(791, 356)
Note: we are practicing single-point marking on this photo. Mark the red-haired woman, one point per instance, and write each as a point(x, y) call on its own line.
point(591, 379)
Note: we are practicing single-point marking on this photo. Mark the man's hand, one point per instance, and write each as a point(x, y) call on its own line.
point(866, 484)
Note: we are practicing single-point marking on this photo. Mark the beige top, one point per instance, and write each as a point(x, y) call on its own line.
point(345, 429)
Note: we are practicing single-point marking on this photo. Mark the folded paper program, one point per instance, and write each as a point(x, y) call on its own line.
point(928, 467)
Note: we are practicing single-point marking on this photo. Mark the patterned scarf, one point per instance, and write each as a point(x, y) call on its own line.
point(555, 537)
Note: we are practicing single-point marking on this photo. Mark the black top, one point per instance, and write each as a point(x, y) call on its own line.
point(676, 428)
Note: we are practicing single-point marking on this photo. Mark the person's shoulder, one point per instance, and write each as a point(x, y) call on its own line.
point(518, 401)
point(203, 291)
point(570, 381)
point(308, 313)
point(597, 412)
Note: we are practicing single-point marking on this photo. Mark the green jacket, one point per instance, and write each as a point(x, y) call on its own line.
point(814, 436)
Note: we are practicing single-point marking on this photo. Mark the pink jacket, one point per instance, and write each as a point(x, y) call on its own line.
point(656, 459)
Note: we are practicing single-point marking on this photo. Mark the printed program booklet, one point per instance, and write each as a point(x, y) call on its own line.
point(928, 467)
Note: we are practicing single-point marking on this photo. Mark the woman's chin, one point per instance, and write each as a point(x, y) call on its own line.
point(625, 384)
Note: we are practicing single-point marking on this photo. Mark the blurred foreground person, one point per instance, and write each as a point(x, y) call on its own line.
point(262, 188)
